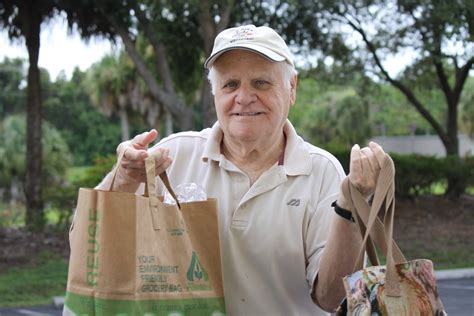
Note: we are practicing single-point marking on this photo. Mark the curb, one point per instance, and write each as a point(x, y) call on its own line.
point(454, 274)
point(58, 302)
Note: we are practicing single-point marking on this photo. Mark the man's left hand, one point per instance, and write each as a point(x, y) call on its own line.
point(365, 167)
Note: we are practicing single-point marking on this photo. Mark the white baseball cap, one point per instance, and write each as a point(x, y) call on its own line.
point(262, 40)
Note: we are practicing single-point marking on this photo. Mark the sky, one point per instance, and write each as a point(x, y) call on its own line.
point(59, 51)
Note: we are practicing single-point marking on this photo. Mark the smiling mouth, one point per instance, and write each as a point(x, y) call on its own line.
point(247, 113)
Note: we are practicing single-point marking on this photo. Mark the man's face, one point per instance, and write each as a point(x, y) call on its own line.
point(253, 96)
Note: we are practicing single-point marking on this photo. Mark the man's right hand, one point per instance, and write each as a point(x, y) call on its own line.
point(131, 169)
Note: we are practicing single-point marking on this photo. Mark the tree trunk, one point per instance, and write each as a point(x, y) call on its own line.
point(209, 30)
point(34, 202)
point(168, 124)
point(207, 103)
point(169, 100)
point(124, 126)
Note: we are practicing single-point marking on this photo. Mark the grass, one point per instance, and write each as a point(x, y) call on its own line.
point(35, 283)
point(452, 258)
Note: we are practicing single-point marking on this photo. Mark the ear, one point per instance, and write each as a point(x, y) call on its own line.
point(293, 83)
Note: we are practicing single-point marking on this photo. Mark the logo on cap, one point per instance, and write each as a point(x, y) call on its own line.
point(242, 34)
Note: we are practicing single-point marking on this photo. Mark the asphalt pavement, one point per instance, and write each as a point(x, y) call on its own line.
point(457, 295)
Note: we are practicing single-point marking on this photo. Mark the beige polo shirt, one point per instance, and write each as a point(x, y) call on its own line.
point(272, 233)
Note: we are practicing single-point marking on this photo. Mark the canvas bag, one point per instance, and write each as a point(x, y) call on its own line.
point(135, 255)
point(400, 287)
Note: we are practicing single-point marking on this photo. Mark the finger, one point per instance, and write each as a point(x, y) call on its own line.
point(366, 165)
point(123, 146)
point(369, 160)
point(133, 164)
point(355, 163)
point(162, 168)
point(160, 154)
point(134, 154)
point(139, 175)
point(378, 152)
point(144, 139)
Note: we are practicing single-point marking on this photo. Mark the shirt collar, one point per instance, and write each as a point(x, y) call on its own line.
point(212, 149)
point(297, 160)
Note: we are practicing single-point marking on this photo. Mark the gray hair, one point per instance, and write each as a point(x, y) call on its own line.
point(288, 72)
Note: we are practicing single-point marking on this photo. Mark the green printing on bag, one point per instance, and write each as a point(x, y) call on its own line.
point(197, 276)
point(93, 248)
point(85, 305)
point(196, 270)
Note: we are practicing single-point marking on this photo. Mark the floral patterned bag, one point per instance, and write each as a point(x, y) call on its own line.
point(400, 287)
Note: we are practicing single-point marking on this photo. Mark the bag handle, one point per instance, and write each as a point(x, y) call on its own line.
point(384, 197)
point(150, 190)
point(119, 159)
point(150, 187)
point(150, 181)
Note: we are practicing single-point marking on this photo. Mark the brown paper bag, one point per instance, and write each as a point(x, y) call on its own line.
point(134, 255)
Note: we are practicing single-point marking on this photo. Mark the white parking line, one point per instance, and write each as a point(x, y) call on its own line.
point(31, 313)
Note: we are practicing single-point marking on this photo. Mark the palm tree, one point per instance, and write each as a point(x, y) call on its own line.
point(22, 19)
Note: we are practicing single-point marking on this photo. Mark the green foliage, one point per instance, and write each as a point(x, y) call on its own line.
point(12, 214)
point(91, 176)
point(326, 113)
point(87, 131)
point(392, 114)
point(56, 160)
point(176, 24)
point(466, 109)
point(62, 200)
point(35, 283)
point(56, 155)
point(416, 174)
point(12, 98)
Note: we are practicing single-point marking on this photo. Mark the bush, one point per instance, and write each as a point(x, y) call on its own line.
point(63, 199)
point(416, 174)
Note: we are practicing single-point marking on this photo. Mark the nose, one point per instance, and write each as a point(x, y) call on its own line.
point(245, 94)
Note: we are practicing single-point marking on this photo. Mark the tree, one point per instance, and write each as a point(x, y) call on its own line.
point(427, 28)
point(111, 87)
point(12, 98)
point(467, 109)
point(167, 26)
point(22, 19)
point(13, 166)
point(88, 132)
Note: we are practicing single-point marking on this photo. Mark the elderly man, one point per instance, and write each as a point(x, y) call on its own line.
point(284, 248)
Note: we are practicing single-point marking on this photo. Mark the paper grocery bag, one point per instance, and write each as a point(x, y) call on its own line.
point(135, 255)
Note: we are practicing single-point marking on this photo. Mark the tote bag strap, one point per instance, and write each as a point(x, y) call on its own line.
point(384, 197)
point(115, 170)
point(367, 247)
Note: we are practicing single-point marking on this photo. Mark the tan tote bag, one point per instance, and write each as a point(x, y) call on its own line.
point(399, 288)
point(135, 255)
